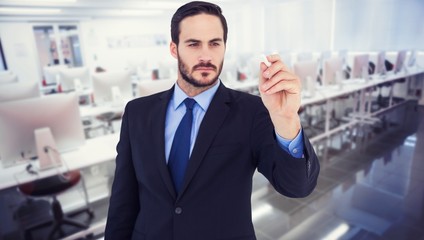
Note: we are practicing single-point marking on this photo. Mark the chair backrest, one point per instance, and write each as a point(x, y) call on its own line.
point(146, 88)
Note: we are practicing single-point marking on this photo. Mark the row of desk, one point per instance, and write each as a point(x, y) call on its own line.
point(363, 89)
point(103, 149)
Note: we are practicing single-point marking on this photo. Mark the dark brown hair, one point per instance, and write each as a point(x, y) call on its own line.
point(192, 9)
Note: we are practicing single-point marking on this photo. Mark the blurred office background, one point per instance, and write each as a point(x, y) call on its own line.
point(68, 67)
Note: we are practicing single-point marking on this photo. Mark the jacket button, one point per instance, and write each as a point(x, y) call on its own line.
point(178, 210)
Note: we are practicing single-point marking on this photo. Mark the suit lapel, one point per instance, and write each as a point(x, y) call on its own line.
point(212, 121)
point(158, 138)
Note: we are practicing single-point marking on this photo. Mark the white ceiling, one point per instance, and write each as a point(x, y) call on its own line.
point(90, 9)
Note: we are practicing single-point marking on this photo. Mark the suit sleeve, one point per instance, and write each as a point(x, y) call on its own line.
point(124, 204)
point(290, 176)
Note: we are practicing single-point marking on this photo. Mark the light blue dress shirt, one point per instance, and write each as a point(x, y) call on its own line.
point(176, 111)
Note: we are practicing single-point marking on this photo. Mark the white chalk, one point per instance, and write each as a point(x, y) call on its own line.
point(265, 60)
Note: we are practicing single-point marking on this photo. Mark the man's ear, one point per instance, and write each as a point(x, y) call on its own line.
point(173, 49)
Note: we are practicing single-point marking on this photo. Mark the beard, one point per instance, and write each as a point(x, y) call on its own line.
point(188, 77)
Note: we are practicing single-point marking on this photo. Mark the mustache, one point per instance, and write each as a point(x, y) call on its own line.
point(208, 65)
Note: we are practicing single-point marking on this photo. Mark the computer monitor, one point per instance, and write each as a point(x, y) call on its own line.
point(360, 65)
point(150, 87)
point(286, 58)
point(332, 72)
point(51, 73)
point(19, 90)
point(252, 66)
point(74, 78)
point(380, 67)
point(19, 120)
point(343, 55)
point(8, 77)
point(324, 56)
point(112, 87)
point(412, 58)
point(307, 71)
point(400, 61)
point(304, 56)
point(229, 70)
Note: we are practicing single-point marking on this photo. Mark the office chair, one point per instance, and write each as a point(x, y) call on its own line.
point(52, 186)
point(32, 214)
point(306, 119)
point(316, 118)
point(102, 121)
point(108, 119)
point(381, 101)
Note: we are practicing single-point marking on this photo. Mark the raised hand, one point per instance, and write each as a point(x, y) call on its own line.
point(280, 92)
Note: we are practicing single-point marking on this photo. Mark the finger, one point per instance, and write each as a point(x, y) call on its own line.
point(273, 58)
point(275, 67)
point(263, 68)
point(281, 76)
point(287, 86)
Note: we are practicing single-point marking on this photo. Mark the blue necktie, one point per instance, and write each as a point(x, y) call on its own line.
point(180, 149)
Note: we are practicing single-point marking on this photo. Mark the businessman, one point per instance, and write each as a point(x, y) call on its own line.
point(186, 156)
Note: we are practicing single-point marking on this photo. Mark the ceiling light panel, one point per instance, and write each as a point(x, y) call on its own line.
point(25, 11)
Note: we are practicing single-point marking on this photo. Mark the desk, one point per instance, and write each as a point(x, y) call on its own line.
point(94, 151)
point(245, 85)
point(364, 90)
point(92, 111)
point(328, 94)
point(353, 85)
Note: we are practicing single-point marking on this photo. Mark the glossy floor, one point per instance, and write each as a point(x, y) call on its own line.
point(370, 187)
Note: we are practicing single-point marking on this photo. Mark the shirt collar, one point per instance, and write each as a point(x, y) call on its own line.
point(203, 99)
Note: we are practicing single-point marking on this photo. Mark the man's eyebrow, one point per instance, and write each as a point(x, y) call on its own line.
point(191, 40)
point(216, 40)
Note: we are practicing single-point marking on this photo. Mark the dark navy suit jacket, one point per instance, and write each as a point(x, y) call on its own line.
point(235, 139)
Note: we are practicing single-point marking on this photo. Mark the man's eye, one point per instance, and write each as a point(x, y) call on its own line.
point(193, 45)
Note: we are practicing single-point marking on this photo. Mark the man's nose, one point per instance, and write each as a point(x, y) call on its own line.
point(205, 55)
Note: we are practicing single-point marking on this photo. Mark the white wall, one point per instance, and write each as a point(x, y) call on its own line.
point(363, 25)
point(289, 25)
point(246, 34)
point(359, 25)
point(98, 35)
point(302, 25)
point(20, 50)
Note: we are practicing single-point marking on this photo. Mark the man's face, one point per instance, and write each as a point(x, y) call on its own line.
point(201, 50)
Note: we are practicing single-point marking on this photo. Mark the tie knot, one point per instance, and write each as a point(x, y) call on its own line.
point(189, 102)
